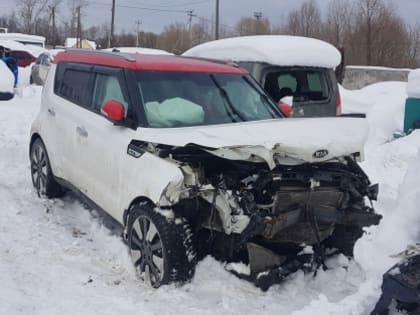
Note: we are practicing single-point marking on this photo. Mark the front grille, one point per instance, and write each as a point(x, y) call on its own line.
point(288, 199)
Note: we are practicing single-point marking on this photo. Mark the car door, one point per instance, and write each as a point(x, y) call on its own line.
point(102, 145)
point(72, 98)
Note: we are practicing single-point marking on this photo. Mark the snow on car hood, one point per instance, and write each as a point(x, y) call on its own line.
point(285, 141)
point(278, 50)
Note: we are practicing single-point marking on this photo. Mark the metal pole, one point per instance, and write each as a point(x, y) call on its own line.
point(79, 29)
point(138, 23)
point(217, 20)
point(112, 24)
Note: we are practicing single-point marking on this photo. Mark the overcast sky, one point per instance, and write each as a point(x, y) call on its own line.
point(129, 11)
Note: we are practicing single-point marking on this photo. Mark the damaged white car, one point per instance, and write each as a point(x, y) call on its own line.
point(192, 158)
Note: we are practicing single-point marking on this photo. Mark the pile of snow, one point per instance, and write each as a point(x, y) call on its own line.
point(278, 50)
point(139, 50)
point(413, 85)
point(7, 80)
point(384, 105)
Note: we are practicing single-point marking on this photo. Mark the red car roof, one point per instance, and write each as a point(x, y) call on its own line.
point(146, 62)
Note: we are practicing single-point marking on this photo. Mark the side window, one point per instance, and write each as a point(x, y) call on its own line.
point(107, 87)
point(75, 86)
point(287, 81)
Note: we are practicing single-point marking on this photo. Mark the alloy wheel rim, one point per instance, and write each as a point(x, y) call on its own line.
point(39, 169)
point(146, 250)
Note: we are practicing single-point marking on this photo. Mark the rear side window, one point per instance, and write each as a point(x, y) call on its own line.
point(302, 84)
point(73, 85)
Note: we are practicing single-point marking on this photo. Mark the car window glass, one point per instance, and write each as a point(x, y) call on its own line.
point(303, 84)
point(107, 87)
point(74, 86)
point(287, 81)
point(175, 99)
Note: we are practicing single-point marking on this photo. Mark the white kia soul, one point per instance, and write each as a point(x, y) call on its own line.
point(192, 158)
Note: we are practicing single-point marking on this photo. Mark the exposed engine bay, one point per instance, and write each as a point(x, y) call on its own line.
point(268, 217)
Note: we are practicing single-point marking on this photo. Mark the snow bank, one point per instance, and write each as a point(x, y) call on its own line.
point(7, 79)
point(400, 225)
point(278, 50)
point(384, 105)
point(413, 85)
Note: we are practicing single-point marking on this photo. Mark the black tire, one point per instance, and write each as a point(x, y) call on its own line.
point(41, 174)
point(343, 238)
point(167, 253)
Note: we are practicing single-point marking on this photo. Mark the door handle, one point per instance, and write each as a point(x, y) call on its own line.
point(51, 112)
point(82, 131)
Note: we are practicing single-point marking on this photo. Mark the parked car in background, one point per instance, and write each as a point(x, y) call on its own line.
point(22, 57)
point(41, 66)
point(297, 71)
point(192, 158)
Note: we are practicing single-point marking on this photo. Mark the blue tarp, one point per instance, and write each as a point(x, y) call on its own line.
point(13, 66)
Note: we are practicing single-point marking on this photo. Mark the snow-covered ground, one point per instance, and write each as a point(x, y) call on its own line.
point(57, 258)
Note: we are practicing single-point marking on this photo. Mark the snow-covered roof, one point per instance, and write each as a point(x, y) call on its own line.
point(413, 85)
point(7, 79)
point(279, 50)
point(14, 45)
point(140, 50)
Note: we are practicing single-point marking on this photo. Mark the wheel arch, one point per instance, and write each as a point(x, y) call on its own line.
point(135, 201)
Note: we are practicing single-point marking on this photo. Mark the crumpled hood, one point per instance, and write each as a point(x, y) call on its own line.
point(285, 141)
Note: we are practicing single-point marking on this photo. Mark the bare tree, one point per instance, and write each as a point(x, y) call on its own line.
point(252, 26)
point(30, 12)
point(379, 36)
point(414, 46)
point(306, 21)
point(338, 22)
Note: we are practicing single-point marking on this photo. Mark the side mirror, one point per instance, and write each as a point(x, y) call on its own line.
point(286, 109)
point(113, 110)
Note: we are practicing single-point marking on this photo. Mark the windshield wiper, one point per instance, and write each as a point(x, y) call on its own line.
point(226, 97)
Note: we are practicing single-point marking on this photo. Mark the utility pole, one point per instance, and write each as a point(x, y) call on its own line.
point(138, 23)
point(53, 25)
point(190, 16)
point(111, 41)
point(52, 19)
point(79, 29)
point(258, 16)
point(217, 20)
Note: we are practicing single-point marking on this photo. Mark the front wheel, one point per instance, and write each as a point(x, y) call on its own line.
point(161, 249)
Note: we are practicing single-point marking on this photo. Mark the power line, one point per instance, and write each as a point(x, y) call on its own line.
point(140, 8)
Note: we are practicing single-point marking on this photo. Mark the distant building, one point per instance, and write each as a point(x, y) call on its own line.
point(71, 42)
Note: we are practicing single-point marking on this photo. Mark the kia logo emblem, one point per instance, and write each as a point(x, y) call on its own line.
point(320, 154)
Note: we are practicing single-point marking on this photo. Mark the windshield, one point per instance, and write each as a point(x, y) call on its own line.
point(178, 99)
